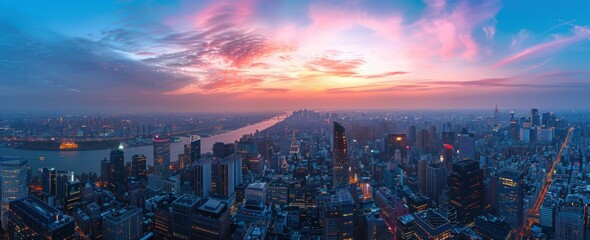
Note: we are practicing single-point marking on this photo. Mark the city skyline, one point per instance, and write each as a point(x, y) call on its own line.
point(211, 56)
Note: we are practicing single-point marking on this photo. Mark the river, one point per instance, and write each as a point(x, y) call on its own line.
point(89, 161)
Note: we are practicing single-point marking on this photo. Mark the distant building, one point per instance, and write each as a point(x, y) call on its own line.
point(155, 182)
point(172, 185)
point(466, 145)
point(31, 218)
point(396, 142)
point(49, 181)
point(436, 176)
point(118, 162)
point(126, 223)
point(195, 148)
point(138, 166)
point(72, 197)
point(340, 161)
point(510, 196)
point(162, 155)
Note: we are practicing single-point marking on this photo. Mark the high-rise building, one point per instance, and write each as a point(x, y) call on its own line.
point(535, 118)
point(570, 220)
point(491, 227)
point(412, 135)
point(182, 212)
point(510, 196)
point(118, 162)
point(375, 227)
point(49, 181)
point(31, 218)
point(162, 155)
point(211, 220)
point(195, 148)
point(202, 175)
point(227, 175)
point(466, 145)
point(405, 227)
point(340, 163)
point(422, 167)
point(436, 178)
point(448, 135)
point(73, 196)
point(105, 172)
point(338, 216)
point(172, 185)
point(14, 182)
point(395, 142)
point(126, 223)
point(254, 209)
point(138, 166)
point(466, 190)
point(222, 150)
point(431, 225)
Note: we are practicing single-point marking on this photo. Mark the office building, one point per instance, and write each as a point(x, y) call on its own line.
point(211, 220)
point(172, 185)
point(466, 190)
point(375, 227)
point(123, 224)
point(49, 181)
point(510, 196)
point(466, 145)
point(535, 118)
point(491, 227)
point(138, 166)
point(227, 175)
point(118, 164)
point(431, 225)
point(182, 211)
point(394, 143)
point(405, 227)
point(73, 196)
point(195, 148)
point(340, 168)
point(338, 216)
point(162, 155)
point(14, 182)
point(436, 178)
point(570, 220)
point(202, 177)
point(32, 219)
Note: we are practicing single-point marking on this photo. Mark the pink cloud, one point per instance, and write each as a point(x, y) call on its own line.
point(547, 48)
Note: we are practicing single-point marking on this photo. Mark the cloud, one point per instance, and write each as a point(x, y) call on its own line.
point(580, 33)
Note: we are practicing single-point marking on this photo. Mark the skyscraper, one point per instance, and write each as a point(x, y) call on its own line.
point(466, 145)
point(570, 220)
point(72, 197)
point(202, 177)
point(118, 162)
point(466, 190)
point(211, 219)
point(138, 166)
point(31, 218)
point(436, 178)
point(48, 181)
point(535, 118)
point(395, 142)
point(195, 148)
point(162, 155)
point(338, 216)
point(126, 223)
point(182, 212)
point(105, 172)
point(14, 182)
point(339, 157)
point(510, 196)
point(227, 174)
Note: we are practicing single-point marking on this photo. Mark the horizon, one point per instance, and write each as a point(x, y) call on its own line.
point(260, 55)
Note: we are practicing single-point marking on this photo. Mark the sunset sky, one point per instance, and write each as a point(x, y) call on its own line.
point(281, 55)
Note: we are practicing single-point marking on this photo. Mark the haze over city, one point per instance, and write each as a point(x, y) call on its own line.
point(261, 55)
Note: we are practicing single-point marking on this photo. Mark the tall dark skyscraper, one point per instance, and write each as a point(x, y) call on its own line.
point(412, 135)
point(138, 166)
point(466, 190)
point(436, 178)
point(48, 181)
point(510, 196)
point(195, 148)
point(162, 155)
point(395, 142)
point(339, 157)
point(72, 196)
point(118, 162)
point(535, 118)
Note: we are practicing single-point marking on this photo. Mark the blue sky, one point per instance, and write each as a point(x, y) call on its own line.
point(273, 55)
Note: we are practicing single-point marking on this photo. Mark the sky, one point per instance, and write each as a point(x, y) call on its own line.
point(263, 55)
